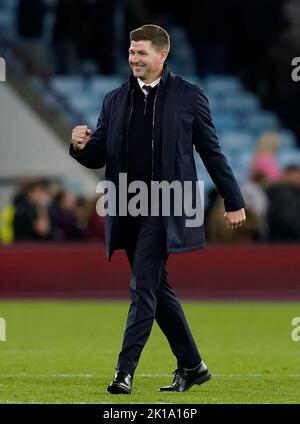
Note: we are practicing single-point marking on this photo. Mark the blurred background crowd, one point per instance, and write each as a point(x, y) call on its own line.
point(63, 56)
point(41, 211)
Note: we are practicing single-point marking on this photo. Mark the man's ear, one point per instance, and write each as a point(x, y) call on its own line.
point(164, 54)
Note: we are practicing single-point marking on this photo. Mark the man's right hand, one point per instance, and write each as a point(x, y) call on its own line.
point(80, 136)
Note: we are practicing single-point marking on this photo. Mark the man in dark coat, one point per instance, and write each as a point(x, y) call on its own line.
point(147, 129)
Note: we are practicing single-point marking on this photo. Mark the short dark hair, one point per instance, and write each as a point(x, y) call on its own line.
point(157, 35)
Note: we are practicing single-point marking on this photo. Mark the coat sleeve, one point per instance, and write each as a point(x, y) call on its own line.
point(207, 145)
point(94, 154)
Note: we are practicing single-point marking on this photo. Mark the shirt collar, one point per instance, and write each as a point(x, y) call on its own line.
point(153, 84)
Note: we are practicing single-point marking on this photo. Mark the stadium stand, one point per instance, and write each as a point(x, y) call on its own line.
point(240, 118)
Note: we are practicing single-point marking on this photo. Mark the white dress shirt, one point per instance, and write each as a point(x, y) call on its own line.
point(153, 84)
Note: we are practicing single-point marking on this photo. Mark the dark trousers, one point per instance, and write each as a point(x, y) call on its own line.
point(152, 296)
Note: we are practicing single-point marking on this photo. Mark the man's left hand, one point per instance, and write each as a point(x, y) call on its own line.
point(235, 219)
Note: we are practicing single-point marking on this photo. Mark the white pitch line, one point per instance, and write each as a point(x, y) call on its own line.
point(32, 402)
point(228, 375)
point(26, 375)
point(28, 352)
point(8, 401)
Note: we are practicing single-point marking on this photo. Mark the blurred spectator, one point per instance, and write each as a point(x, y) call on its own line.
point(284, 206)
point(88, 219)
point(95, 224)
point(36, 214)
point(264, 161)
point(31, 220)
point(257, 203)
point(21, 190)
point(7, 215)
point(217, 232)
point(212, 197)
point(64, 219)
point(83, 212)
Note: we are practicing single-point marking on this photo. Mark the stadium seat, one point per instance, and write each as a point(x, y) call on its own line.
point(287, 138)
point(262, 121)
point(241, 103)
point(67, 85)
point(289, 156)
point(222, 85)
point(225, 121)
point(237, 140)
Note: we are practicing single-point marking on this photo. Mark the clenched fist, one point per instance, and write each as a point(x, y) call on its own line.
point(235, 219)
point(80, 136)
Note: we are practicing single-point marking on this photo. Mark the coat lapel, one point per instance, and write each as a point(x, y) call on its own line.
point(118, 121)
point(171, 114)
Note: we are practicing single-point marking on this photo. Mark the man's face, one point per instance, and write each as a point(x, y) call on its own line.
point(39, 196)
point(145, 60)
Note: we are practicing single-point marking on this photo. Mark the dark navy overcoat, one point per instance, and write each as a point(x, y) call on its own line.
point(185, 122)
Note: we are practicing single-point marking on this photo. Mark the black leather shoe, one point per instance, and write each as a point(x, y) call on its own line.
point(185, 378)
point(121, 384)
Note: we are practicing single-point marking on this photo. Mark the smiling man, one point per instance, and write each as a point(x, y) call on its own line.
point(146, 62)
point(148, 128)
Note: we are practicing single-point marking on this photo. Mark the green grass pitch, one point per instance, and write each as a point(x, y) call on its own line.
point(66, 352)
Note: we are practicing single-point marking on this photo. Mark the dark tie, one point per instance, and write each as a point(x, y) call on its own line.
point(148, 88)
